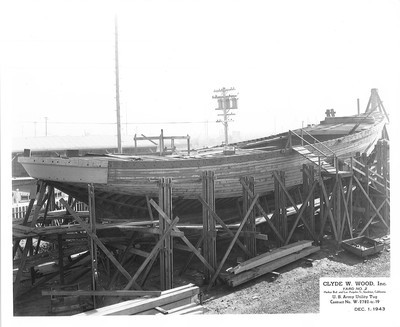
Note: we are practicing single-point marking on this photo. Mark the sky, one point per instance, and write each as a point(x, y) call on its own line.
point(288, 61)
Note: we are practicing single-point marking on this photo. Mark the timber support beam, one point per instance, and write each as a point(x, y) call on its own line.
point(209, 230)
point(250, 239)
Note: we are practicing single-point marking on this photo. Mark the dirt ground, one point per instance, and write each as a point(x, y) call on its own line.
point(296, 289)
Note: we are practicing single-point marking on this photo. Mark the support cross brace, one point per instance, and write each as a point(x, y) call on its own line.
point(300, 216)
point(372, 217)
point(328, 206)
point(228, 251)
point(263, 212)
point(221, 222)
point(370, 202)
point(295, 206)
point(98, 242)
point(184, 239)
point(152, 254)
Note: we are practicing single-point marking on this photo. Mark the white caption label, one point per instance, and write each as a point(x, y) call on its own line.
point(346, 295)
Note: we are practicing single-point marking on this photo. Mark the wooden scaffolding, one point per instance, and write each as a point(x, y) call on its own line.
point(342, 199)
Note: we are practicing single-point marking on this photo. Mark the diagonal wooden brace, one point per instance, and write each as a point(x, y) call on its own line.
point(325, 215)
point(228, 251)
point(184, 239)
point(260, 208)
point(153, 253)
point(372, 218)
point(346, 211)
point(293, 203)
point(122, 259)
point(350, 204)
point(328, 208)
point(198, 244)
point(300, 216)
point(370, 202)
point(39, 203)
point(221, 222)
point(98, 242)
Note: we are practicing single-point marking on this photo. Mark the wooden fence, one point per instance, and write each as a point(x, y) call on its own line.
point(18, 212)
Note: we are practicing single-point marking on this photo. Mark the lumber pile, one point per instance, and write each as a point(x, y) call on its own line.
point(176, 301)
point(268, 262)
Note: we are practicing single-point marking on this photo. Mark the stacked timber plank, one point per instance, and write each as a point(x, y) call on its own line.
point(176, 301)
point(268, 262)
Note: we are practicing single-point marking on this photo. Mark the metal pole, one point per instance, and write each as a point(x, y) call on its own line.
point(225, 116)
point(45, 124)
point(358, 106)
point(117, 88)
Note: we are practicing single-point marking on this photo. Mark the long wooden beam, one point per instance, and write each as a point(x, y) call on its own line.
point(235, 280)
point(93, 247)
point(137, 306)
point(270, 256)
point(249, 240)
point(166, 250)
point(124, 293)
point(209, 230)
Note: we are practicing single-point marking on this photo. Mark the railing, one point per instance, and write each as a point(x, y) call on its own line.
point(349, 165)
point(319, 142)
point(310, 144)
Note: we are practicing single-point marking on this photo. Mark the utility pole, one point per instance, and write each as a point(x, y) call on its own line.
point(117, 88)
point(226, 102)
point(45, 124)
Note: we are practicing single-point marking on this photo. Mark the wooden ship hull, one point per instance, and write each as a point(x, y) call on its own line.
point(127, 182)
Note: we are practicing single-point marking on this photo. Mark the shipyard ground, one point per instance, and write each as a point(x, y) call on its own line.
point(296, 290)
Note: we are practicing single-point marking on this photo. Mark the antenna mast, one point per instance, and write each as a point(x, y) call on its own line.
point(117, 88)
point(226, 102)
